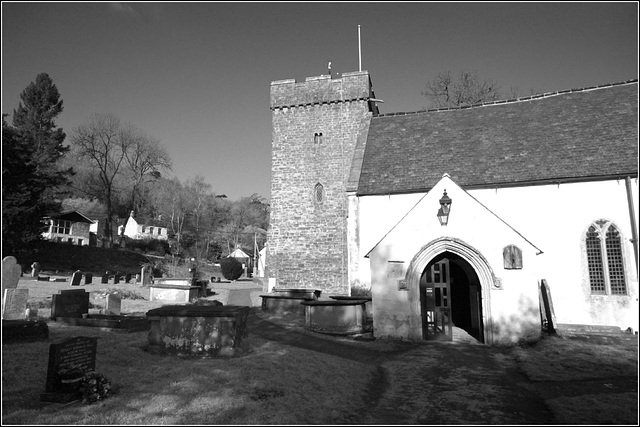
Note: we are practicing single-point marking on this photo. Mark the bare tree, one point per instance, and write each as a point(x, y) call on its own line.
point(468, 88)
point(199, 193)
point(103, 141)
point(172, 202)
point(145, 159)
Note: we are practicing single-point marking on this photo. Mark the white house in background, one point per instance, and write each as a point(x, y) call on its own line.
point(70, 227)
point(148, 229)
point(542, 193)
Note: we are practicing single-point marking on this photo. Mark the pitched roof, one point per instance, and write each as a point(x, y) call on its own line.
point(556, 137)
point(73, 216)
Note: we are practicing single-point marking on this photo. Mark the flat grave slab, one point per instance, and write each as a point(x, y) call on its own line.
point(115, 323)
point(197, 330)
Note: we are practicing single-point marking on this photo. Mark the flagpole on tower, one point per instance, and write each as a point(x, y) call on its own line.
point(359, 51)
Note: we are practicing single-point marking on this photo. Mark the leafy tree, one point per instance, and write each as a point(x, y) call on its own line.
point(34, 119)
point(22, 211)
point(32, 179)
point(468, 88)
point(231, 268)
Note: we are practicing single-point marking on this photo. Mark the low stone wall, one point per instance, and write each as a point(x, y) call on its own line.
point(197, 330)
point(337, 317)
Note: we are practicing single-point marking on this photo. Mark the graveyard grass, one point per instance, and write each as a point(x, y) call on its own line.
point(270, 383)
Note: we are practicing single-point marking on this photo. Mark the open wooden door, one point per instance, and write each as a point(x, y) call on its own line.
point(435, 296)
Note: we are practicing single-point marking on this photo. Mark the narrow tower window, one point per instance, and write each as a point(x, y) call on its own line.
point(318, 194)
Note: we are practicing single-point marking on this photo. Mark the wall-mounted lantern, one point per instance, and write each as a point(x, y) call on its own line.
point(445, 207)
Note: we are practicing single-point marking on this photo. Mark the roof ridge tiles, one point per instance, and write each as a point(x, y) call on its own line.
point(513, 100)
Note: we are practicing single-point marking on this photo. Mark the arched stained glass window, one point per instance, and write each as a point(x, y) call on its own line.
point(604, 259)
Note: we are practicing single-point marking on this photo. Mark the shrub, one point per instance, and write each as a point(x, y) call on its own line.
point(231, 268)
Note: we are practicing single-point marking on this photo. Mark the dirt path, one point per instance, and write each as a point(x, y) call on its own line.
point(455, 383)
point(427, 383)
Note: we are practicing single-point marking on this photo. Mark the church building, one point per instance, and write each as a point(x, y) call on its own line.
point(489, 218)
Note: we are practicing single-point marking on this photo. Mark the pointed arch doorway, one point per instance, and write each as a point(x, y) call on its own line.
point(450, 296)
point(468, 294)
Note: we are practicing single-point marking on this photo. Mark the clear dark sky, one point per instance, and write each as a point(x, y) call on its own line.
point(196, 76)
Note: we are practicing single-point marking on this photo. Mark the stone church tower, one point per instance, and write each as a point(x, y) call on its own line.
point(317, 139)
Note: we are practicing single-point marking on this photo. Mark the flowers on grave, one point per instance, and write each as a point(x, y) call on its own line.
point(94, 387)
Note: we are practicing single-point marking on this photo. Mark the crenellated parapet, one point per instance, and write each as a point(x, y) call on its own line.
point(352, 86)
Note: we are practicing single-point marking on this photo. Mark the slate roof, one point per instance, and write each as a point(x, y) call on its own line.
point(565, 136)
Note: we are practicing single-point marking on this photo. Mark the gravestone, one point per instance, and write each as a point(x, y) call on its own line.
point(113, 304)
point(14, 304)
point(70, 303)
point(68, 361)
point(105, 278)
point(88, 278)
point(35, 269)
point(127, 278)
point(116, 278)
point(11, 272)
point(137, 278)
point(76, 278)
point(146, 276)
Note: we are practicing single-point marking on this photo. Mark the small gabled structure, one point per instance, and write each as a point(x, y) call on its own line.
point(70, 227)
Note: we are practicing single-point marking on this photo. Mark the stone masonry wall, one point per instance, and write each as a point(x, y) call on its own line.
point(315, 125)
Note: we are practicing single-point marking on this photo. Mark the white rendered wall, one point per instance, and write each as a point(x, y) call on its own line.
point(553, 218)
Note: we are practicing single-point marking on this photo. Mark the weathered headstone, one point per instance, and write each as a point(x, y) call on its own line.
point(70, 303)
point(146, 276)
point(105, 278)
point(137, 278)
point(11, 272)
point(14, 304)
point(35, 269)
point(68, 361)
point(76, 278)
point(88, 278)
point(116, 278)
point(113, 304)
point(127, 278)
